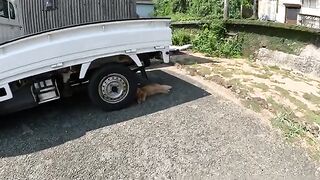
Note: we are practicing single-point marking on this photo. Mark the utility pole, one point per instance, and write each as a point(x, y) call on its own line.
point(226, 10)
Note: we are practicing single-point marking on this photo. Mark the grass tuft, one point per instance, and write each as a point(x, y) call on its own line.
point(285, 122)
point(261, 86)
point(312, 98)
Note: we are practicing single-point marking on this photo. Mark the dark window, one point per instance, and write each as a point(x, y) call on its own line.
point(49, 5)
point(4, 8)
point(11, 10)
point(292, 15)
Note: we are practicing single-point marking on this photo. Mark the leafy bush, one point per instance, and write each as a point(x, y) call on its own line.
point(181, 37)
point(213, 41)
point(204, 9)
point(180, 17)
point(231, 47)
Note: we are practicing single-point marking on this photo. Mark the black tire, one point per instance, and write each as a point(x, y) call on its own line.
point(112, 76)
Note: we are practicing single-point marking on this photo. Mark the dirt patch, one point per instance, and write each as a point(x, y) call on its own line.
point(220, 80)
point(293, 98)
point(253, 79)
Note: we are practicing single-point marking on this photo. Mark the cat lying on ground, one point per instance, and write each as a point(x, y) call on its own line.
point(150, 90)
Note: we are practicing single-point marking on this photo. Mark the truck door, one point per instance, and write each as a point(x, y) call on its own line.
point(10, 27)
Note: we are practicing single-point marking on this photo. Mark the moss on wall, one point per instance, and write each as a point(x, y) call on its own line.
point(252, 42)
point(274, 36)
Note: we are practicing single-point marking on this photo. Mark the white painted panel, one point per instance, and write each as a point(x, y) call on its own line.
point(310, 11)
point(267, 9)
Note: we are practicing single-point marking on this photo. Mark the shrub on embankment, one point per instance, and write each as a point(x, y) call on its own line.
point(234, 38)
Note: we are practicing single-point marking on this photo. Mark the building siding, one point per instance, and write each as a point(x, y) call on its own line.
point(307, 15)
point(71, 12)
point(267, 9)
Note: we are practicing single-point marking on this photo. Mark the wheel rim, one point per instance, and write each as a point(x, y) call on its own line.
point(113, 88)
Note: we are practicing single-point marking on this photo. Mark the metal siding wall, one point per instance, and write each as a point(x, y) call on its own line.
point(71, 12)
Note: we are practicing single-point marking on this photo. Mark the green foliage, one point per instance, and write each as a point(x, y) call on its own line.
point(270, 24)
point(234, 11)
point(247, 3)
point(181, 37)
point(180, 6)
point(183, 17)
point(286, 122)
point(312, 98)
point(163, 7)
point(213, 41)
point(204, 9)
point(252, 42)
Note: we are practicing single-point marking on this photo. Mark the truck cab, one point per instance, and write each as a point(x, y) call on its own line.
point(10, 21)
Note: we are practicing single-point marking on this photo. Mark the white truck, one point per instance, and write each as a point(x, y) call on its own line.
point(43, 67)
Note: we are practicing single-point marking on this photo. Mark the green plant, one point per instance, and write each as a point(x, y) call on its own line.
point(253, 105)
point(261, 86)
point(180, 17)
point(163, 7)
point(286, 94)
point(231, 48)
point(206, 9)
point(312, 98)
point(181, 37)
point(285, 122)
point(212, 40)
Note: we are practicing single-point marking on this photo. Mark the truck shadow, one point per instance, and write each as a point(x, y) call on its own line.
point(58, 122)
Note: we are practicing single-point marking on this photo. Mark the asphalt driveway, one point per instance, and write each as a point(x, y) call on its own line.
point(189, 132)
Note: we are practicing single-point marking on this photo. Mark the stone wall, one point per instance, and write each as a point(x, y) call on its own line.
point(307, 62)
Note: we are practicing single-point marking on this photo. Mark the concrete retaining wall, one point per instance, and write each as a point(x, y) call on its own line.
point(307, 62)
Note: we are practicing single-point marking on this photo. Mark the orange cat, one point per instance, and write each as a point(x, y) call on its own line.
point(152, 89)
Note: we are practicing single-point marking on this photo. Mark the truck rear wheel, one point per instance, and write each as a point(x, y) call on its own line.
point(113, 87)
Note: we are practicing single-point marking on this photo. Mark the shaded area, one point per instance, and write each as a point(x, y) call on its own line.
point(58, 122)
point(188, 59)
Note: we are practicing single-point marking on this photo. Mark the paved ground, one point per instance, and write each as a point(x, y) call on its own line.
point(189, 132)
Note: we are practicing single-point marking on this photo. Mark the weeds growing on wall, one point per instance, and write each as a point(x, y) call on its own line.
point(184, 36)
point(213, 41)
